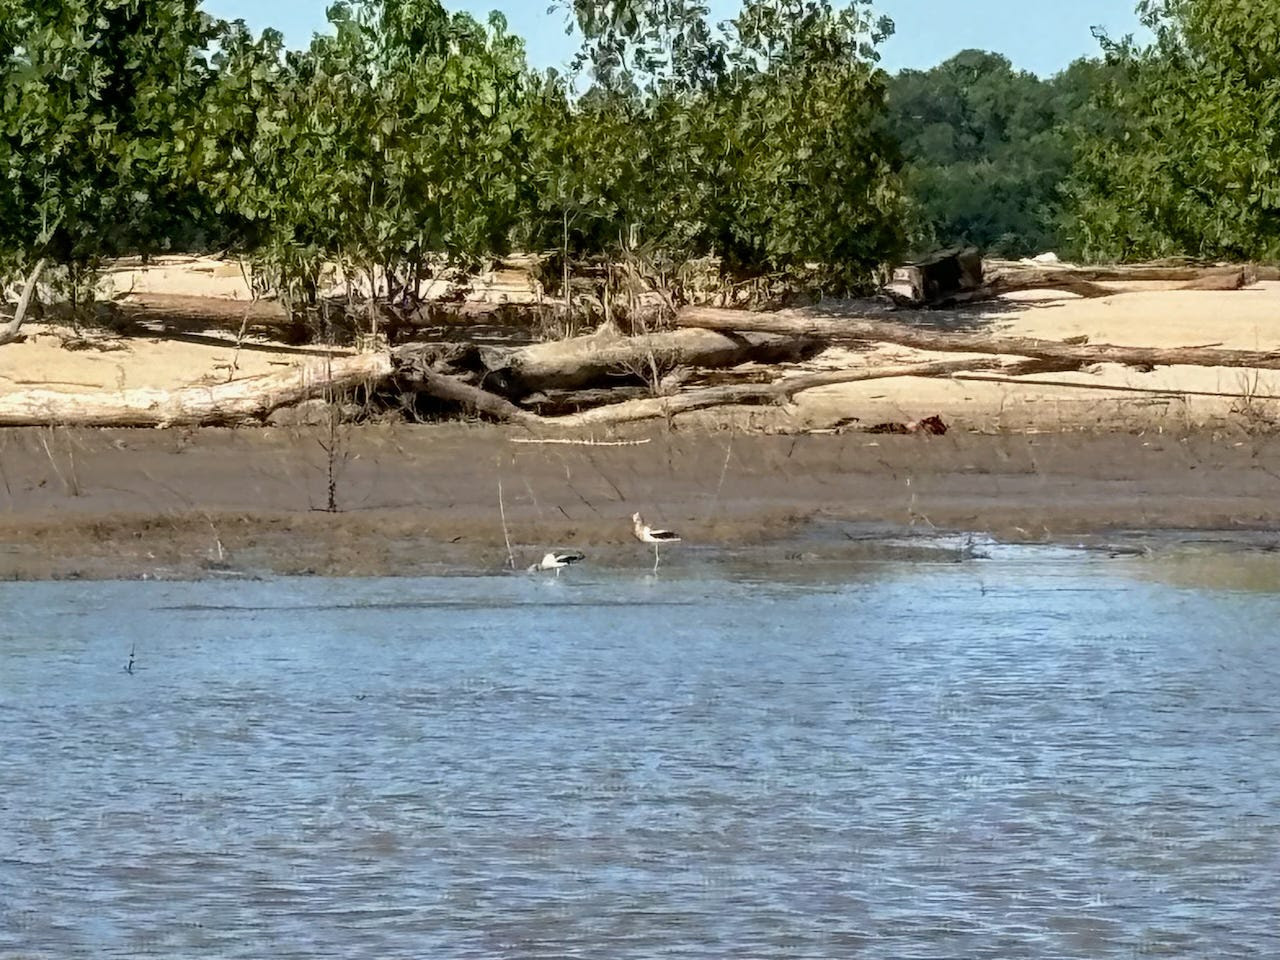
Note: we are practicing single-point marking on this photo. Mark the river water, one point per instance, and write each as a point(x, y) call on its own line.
point(1042, 754)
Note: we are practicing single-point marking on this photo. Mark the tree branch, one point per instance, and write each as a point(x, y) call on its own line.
point(9, 332)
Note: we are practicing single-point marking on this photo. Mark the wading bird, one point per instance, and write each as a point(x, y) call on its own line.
point(555, 560)
point(646, 534)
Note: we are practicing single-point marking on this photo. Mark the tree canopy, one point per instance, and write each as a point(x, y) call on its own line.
point(988, 147)
point(408, 138)
point(99, 105)
point(1189, 161)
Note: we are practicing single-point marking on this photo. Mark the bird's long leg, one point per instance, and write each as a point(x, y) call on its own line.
point(655, 558)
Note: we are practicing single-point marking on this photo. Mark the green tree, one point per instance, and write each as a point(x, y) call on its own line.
point(98, 103)
point(988, 148)
point(390, 147)
point(760, 141)
point(1190, 160)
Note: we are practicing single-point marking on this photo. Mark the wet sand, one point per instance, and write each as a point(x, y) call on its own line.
point(425, 498)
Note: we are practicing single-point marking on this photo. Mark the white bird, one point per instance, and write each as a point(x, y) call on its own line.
point(646, 534)
point(555, 560)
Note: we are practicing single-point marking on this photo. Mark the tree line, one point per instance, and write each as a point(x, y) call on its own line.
point(408, 141)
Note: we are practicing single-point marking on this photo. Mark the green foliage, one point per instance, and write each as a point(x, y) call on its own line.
point(98, 107)
point(410, 139)
point(391, 143)
point(1190, 161)
point(988, 148)
point(761, 143)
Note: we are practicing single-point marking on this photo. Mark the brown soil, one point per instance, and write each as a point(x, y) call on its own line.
point(425, 499)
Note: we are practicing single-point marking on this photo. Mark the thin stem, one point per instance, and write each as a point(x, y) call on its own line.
point(502, 510)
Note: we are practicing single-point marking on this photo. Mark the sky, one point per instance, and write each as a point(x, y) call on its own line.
point(1042, 36)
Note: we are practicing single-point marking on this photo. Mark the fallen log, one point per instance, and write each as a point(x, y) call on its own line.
point(1088, 281)
point(831, 325)
point(954, 277)
point(1000, 284)
point(607, 358)
point(778, 391)
point(177, 313)
point(445, 387)
point(1236, 278)
point(1117, 272)
point(233, 402)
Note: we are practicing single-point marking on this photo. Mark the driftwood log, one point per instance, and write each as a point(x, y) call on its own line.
point(445, 387)
point(608, 359)
point(763, 393)
point(233, 402)
point(542, 372)
point(834, 326)
point(1089, 281)
point(954, 277)
point(1131, 272)
point(651, 408)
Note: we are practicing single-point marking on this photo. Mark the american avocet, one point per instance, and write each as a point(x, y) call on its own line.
point(555, 560)
point(646, 534)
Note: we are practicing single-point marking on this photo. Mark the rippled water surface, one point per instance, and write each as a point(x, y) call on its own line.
point(1031, 756)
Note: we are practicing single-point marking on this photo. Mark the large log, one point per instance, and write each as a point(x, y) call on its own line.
point(832, 325)
point(954, 277)
point(761, 393)
point(1088, 281)
point(176, 312)
point(449, 388)
point(1116, 272)
point(607, 358)
point(233, 402)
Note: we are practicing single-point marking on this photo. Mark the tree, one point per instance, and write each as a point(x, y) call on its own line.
point(386, 147)
point(97, 110)
point(987, 149)
point(1190, 163)
point(760, 142)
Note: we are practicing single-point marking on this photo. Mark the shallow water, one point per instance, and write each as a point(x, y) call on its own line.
point(1036, 755)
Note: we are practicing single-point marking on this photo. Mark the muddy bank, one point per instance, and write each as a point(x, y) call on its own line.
point(425, 499)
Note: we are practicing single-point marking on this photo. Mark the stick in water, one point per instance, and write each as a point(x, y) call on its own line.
point(502, 510)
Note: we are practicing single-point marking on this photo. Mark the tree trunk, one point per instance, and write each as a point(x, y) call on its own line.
point(831, 325)
point(944, 274)
point(1235, 278)
point(234, 402)
point(1000, 284)
point(9, 332)
point(449, 388)
point(758, 393)
point(960, 276)
point(1113, 273)
point(606, 358)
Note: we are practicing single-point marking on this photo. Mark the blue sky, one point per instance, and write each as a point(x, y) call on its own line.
point(1038, 35)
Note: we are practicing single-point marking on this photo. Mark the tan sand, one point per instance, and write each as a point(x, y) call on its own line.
point(1149, 316)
